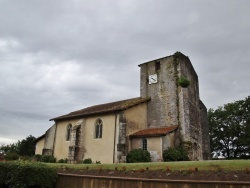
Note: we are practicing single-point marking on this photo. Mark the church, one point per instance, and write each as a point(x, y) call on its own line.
point(168, 113)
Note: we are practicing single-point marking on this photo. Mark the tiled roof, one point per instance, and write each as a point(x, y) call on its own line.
point(104, 108)
point(154, 132)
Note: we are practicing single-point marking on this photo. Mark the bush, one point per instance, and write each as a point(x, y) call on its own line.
point(48, 159)
point(245, 157)
point(63, 160)
point(175, 154)
point(37, 157)
point(183, 82)
point(138, 155)
point(11, 156)
point(27, 174)
point(87, 161)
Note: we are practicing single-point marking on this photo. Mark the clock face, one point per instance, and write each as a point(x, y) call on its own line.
point(152, 79)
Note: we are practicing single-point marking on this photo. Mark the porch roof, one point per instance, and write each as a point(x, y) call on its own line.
point(154, 132)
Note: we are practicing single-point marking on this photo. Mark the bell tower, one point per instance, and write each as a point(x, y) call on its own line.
point(173, 102)
point(158, 81)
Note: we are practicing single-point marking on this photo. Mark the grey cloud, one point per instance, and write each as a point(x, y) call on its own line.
point(59, 56)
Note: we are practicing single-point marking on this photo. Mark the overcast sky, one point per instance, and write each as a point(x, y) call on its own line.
point(59, 56)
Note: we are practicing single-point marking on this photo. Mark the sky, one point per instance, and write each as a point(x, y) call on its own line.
point(60, 56)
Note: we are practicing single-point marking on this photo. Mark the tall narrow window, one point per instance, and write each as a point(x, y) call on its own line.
point(157, 65)
point(68, 131)
point(98, 128)
point(144, 144)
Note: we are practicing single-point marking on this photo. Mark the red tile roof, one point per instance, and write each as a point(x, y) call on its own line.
point(154, 132)
point(104, 108)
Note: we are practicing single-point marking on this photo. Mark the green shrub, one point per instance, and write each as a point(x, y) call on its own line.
point(87, 161)
point(175, 154)
point(37, 157)
point(138, 155)
point(3, 173)
point(63, 160)
point(11, 156)
point(48, 159)
point(25, 158)
point(20, 174)
point(183, 82)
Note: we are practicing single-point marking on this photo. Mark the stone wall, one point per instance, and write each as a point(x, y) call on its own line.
point(190, 109)
point(122, 140)
point(205, 130)
point(76, 148)
point(172, 104)
point(162, 109)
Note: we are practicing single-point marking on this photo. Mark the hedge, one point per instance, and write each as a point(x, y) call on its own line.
point(20, 174)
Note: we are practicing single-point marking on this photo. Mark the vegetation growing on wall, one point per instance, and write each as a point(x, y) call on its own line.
point(138, 155)
point(27, 174)
point(177, 55)
point(176, 62)
point(183, 82)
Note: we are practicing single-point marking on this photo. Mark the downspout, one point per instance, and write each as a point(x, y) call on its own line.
point(114, 139)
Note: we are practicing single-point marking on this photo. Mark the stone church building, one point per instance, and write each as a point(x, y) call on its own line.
point(168, 113)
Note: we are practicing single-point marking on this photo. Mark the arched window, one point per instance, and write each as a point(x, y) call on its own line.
point(68, 131)
point(144, 144)
point(98, 128)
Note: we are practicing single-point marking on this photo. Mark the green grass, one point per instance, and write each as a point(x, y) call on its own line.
point(227, 165)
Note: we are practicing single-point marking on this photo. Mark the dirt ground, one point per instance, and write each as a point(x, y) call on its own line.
point(191, 174)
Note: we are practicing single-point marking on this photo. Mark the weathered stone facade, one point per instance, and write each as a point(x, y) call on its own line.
point(162, 109)
point(172, 104)
point(122, 142)
point(76, 149)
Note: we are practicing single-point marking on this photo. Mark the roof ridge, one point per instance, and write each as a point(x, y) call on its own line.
point(107, 103)
point(104, 108)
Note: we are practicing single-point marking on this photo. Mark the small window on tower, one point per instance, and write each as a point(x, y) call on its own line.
point(157, 65)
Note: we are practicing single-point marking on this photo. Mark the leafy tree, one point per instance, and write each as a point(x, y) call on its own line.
point(11, 148)
point(230, 128)
point(25, 147)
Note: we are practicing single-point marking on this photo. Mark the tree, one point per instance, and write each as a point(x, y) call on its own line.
point(230, 128)
point(25, 147)
point(11, 148)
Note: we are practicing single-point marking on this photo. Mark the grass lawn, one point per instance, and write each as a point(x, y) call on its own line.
point(227, 165)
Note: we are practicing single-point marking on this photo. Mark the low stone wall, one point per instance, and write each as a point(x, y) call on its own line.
point(83, 181)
